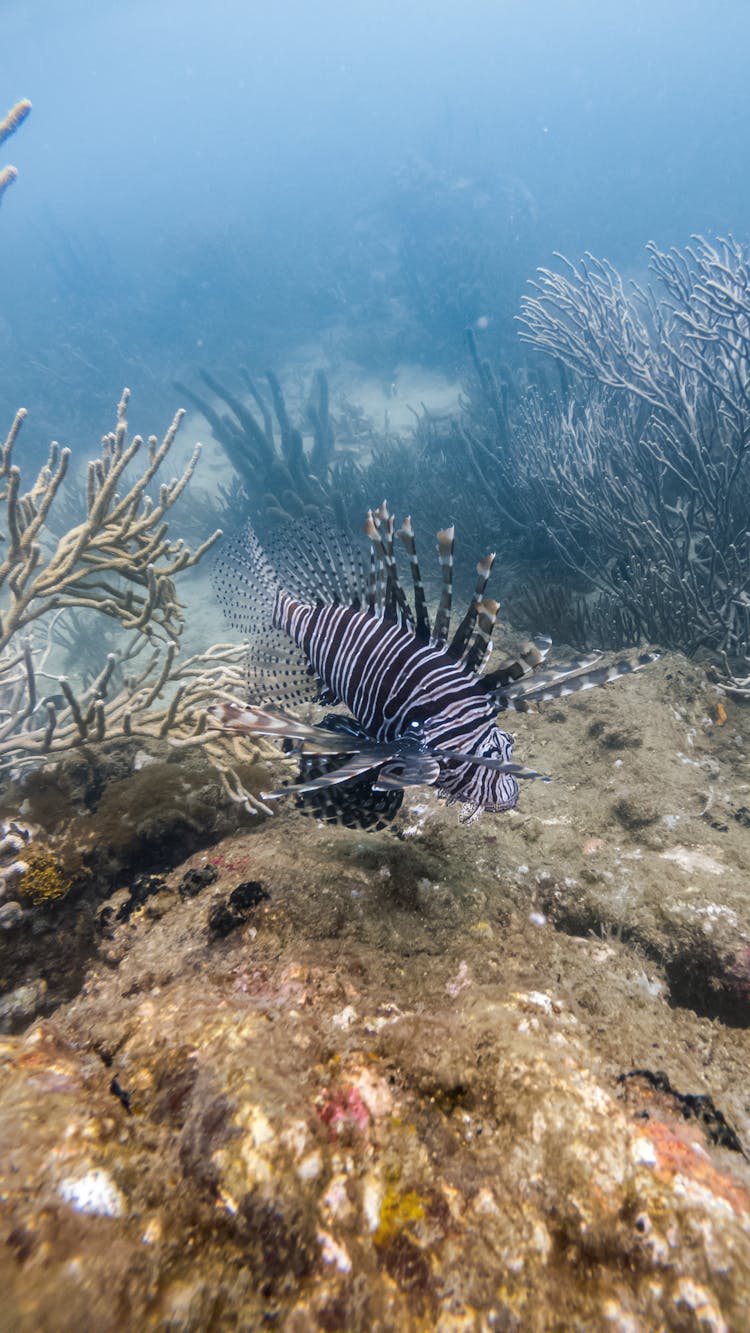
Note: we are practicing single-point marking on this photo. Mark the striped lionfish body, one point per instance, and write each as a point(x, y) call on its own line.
point(421, 706)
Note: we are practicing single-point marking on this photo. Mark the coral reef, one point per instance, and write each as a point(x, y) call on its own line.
point(97, 820)
point(119, 564)
point(440, 1080)
point(118, 766)
point(45, 880)
point(281, 479)
point(624, 480)
point(643, 472)
point(119, 561)
point(15, 836)
point(116, 564)
point(313, 462)
point(735, 685)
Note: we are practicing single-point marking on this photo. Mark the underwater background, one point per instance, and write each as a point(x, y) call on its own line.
point(489, 262)
point(208, 189)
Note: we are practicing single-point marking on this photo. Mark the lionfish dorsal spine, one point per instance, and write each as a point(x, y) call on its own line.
point(481, 643)
point(445, 540)
point(380, 528)
point(377, 561)
point(397, 599)
point(422, 626)
point(323, 571)
point(371, 592)
point(531, 656)
point(462, 635)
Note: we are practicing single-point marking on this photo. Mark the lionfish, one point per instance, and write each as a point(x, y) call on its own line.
point(324, 626)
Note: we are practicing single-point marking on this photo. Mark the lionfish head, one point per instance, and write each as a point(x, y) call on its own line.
point(479, 786)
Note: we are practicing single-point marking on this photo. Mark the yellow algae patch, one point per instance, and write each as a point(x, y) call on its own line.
point(44, 882)
point(397, 1211)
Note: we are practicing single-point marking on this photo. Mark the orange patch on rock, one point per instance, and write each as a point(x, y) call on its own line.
point(680, 1152)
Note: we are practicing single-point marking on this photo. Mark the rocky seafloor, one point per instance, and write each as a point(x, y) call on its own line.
point(483, 1078)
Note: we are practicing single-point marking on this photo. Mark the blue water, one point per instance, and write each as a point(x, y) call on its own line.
point(212, 185)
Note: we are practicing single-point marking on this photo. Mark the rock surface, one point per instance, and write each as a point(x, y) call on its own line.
point(403, 1091)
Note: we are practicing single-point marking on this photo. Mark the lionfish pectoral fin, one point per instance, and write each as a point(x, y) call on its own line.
point(497, 765)
point(517, 771)
point(419, 770)
point(355, 767)
point(516, 680)
point(273, 722)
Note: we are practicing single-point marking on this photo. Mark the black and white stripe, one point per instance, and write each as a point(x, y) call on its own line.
point(404, 684)
point(390, 682)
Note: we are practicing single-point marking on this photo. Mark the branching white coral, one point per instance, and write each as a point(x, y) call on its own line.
point(118, 562)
